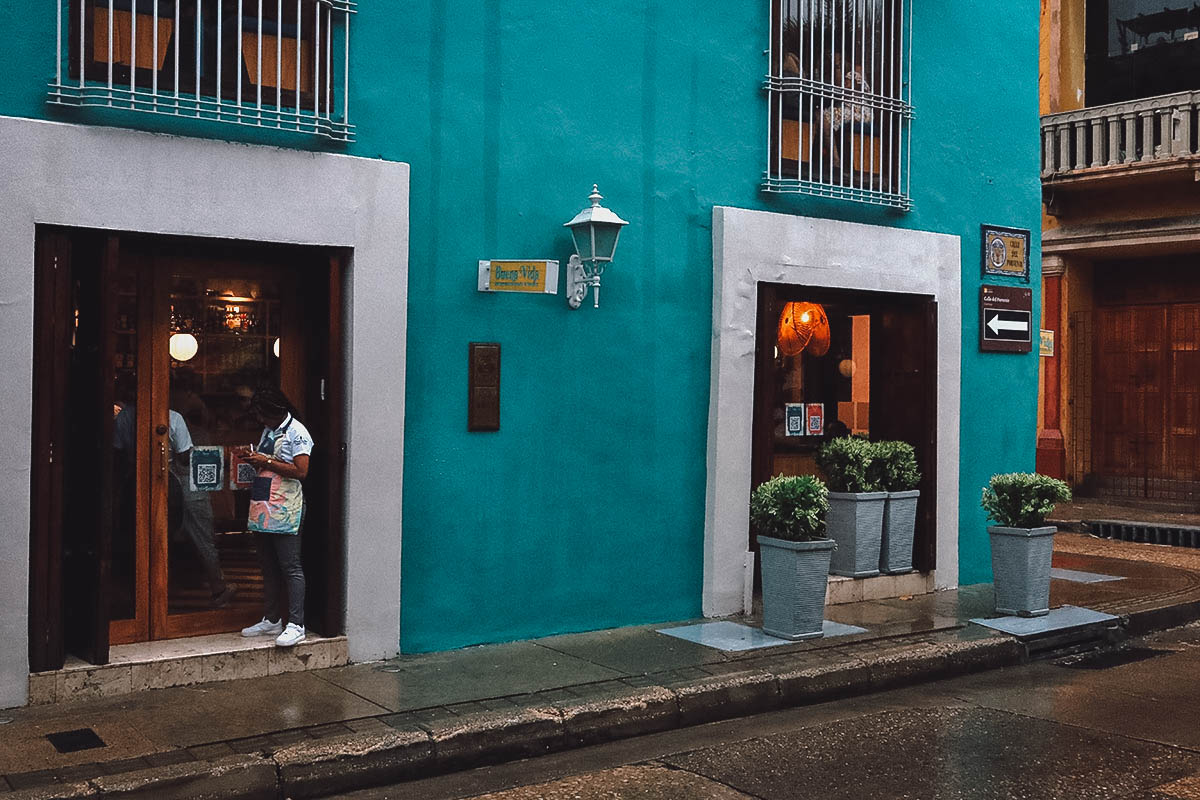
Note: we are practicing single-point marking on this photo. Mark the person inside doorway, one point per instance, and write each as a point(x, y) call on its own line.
point(196, 521)
point(189, 511)
point(277, 513)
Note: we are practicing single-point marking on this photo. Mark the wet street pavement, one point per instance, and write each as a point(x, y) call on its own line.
point(1123, 725)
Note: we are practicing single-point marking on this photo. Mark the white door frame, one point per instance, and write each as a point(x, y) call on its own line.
point(751, 247)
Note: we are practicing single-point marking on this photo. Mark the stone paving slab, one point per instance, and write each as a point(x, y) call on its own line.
point(1062, 618)
point(1082, 577)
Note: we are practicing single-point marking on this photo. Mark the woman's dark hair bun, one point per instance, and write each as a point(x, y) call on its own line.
point(270, 398)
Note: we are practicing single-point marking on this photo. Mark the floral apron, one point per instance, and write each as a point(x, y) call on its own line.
point(276, 503)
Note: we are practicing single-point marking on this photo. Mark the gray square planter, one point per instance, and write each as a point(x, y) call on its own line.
point(794, 577)
point(899, 524)
point(855, 522)
point(1021, 569)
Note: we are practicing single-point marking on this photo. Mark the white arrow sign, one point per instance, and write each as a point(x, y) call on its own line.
point(997, 325)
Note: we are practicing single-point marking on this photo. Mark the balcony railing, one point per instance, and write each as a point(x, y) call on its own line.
point(1155, 131)
point(270, 64)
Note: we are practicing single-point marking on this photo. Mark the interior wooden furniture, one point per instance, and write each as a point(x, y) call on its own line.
point(796, 145)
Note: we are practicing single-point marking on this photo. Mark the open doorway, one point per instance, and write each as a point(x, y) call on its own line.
point(147, 351)
point(869, 369)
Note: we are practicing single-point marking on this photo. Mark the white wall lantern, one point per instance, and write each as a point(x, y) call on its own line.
point(595, 230)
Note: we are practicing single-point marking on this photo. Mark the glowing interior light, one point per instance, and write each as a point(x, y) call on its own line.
point(183, 346)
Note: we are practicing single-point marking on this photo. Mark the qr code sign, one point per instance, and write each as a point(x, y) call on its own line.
point(206, 474)
point(246, 473)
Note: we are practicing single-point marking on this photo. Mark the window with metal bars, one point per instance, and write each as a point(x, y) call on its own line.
point(838, 86)
point(276, 64)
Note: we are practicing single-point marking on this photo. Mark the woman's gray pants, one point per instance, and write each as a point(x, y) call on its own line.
point(279, 557)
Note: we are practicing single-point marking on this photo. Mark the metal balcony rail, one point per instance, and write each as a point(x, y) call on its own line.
point(270, 64)
point(839, 97)
point(1150, 131)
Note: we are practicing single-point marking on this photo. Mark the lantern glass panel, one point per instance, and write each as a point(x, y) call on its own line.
point(582, 234)
point(606, 240)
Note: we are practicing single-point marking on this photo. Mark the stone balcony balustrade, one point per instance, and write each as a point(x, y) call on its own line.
point(1151, 135)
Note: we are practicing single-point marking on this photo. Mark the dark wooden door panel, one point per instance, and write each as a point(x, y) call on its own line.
point(72, 483)
point(1147, 391)
point(1183, 392)
point(88, 501)
point(51, 338)
point(904, 400)
point(1129, 369)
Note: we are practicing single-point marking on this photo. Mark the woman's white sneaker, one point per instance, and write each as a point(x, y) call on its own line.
point(264, 628)
point(292, 634)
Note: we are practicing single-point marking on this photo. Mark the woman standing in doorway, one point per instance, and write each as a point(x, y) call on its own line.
point(277, 513)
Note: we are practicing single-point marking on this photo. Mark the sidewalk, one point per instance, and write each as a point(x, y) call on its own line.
point(315, 733)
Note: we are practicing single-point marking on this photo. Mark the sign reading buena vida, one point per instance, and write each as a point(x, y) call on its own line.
point(518, 276)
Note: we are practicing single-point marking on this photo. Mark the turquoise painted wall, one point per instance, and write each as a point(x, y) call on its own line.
point(587, 509)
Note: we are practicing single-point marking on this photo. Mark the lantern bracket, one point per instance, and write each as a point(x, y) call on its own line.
point(579, 278)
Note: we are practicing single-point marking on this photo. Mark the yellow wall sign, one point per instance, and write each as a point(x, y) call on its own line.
point(1046, 346)
point(1006, 252)
point(539, 277)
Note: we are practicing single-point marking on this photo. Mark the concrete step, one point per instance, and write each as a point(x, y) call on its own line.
point(183, 662)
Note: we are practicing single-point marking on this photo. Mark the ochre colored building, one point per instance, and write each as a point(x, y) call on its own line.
point(1120, 395)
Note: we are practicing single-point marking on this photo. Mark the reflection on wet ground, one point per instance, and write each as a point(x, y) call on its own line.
point(1047, 731)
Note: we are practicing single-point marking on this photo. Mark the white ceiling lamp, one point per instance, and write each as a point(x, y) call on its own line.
point(183, 346)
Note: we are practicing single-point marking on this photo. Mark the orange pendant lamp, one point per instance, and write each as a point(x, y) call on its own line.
point(803, 326)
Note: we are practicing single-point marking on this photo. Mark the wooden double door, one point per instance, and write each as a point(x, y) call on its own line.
point(1146, 393)
point(147, 351)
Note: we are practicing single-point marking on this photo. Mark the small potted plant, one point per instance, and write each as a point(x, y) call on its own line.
point(1022, 543)
point(897, 467)
point(855, 505)
point(787, 516)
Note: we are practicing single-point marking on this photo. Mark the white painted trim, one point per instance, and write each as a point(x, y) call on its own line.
point(113, 179)
point(750, 247)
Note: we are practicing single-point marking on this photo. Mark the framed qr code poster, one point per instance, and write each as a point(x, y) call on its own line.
point(794, 415)
point(206, 469)
point(241, 473)
point(816, 419)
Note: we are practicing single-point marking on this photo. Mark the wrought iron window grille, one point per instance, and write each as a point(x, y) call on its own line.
point(839, 100)
point(269, 64)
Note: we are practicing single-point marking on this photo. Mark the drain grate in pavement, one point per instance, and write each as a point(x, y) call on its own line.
point(1144, 532)
point(1112, 658)
point(76, 740)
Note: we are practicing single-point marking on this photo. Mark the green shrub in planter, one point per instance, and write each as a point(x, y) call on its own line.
point(1022, 544)
point(787, 515)
point(895, 465)
point(1023, 499)
point(848, 464)
point(792, 508)
point(856, 505)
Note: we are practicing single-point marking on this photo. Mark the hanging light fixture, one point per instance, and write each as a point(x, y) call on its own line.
point(803, 326)
point(183, 346)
